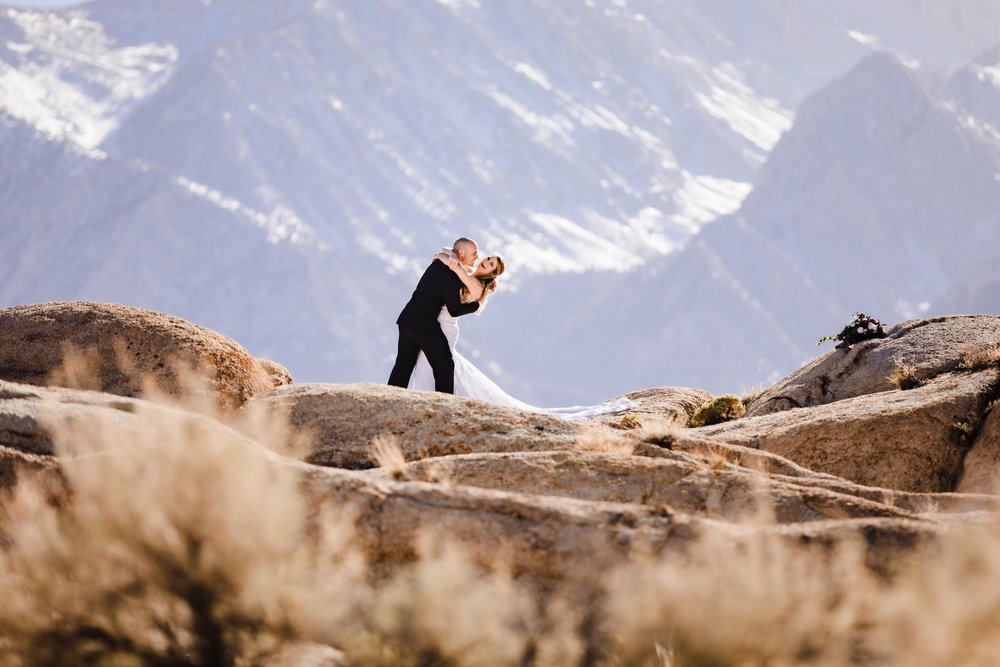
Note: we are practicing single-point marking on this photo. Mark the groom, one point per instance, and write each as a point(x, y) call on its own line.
point(418, 325)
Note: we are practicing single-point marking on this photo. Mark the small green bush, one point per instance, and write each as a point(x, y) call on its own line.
point(718, 410)
point(960, 432)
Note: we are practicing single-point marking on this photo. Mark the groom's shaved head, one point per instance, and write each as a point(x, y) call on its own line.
point(467, 250)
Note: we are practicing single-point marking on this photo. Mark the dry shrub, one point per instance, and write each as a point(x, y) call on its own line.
point(445, 611)
point(752, 394)
point(763, 599)
point(597, 441)
point(905, 378)
point(749, 600)
point(718, 410)
point(184, 546)
point(182, 542)
point(945, 607)
point(980, 357)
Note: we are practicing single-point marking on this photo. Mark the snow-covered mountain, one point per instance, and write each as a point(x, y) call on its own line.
point(79, 224)
point(882, 198)
point(281, 171)
point(882, 190)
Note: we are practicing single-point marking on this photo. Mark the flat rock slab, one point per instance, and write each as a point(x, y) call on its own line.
point(25, 409)
point(681, 483)
point(342, 421)
point(551, 537)
point(929, 347)
point(694, 441)
point(34, 421)
point(911, 440)
point(660, 406)
point(115, 349)
point(541, 536)
point(948, 507)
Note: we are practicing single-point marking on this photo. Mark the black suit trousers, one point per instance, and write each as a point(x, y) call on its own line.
point(426, 336)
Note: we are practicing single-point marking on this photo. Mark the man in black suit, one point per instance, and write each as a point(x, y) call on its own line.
point(418, 326)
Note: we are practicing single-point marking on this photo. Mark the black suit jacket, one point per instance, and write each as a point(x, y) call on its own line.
point(438, 287)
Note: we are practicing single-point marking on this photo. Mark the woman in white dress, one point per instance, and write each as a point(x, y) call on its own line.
point(469, 380)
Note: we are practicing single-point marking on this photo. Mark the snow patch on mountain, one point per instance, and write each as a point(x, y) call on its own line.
point(761, 121)
point(62, 74)
point(281, 225)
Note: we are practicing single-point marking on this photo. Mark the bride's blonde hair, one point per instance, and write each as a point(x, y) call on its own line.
point(489, 281)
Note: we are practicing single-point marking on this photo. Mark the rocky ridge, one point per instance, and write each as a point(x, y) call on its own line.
point(859, 457)
point(882, 470)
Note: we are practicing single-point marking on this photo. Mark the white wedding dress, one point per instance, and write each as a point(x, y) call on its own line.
point(471, 382)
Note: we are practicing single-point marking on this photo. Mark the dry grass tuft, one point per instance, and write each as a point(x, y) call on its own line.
point(752, 394)
point(597, 441)
point(905, 378)
point(754, 600)
point(80, 369)
point(446, 611)
point(980, 357)
point(759, 599)
point(437, 473)
point(388, 455)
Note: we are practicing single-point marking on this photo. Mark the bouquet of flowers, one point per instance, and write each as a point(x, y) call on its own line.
point(862, 328)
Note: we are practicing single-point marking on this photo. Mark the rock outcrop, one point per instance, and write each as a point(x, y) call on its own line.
point(279, 374)
point(28, 412)
point(26, 417)
point(546, 537)
point(660, 406)
point(342, 421)
point(550, 497)
point(981, 470)
point(923, 348)
point(720, 455)
point(911, 440)
point(116, 349)
point(683, 483)
point(33, 419)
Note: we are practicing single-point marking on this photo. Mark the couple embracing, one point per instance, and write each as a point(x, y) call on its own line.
point(426, 359)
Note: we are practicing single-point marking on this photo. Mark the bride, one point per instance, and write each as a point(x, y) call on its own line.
point(469, 380)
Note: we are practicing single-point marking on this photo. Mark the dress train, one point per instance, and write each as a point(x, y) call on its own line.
point(473, 383)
